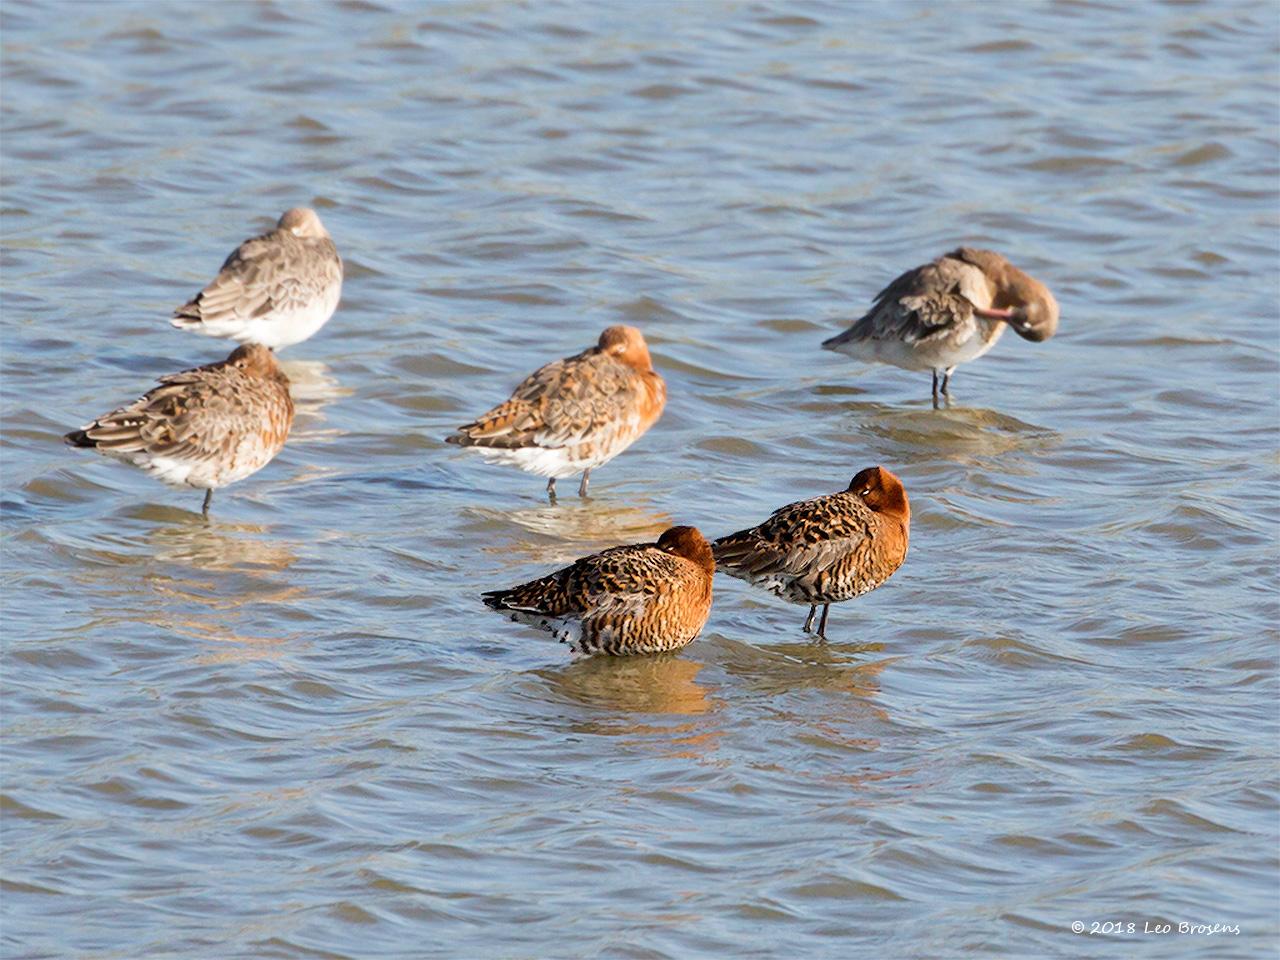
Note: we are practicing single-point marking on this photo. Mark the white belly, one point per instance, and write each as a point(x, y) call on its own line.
point(193, 472)
point(929, 354)
point(544, 462)
point(280, 329)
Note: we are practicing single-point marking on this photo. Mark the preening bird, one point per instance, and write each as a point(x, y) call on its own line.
point(949, 312)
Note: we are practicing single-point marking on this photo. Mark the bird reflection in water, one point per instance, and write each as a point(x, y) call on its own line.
point(628, 697)
point(652, 703)
point(783, 668)
point(209, 581)
point(961, 433)
point(312, 386)
point(572, 529)
point(217, 545)
point(661, 683)
point(846, 724)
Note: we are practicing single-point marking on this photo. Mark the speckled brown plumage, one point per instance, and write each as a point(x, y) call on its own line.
point(574, 414)
point(276, 289)
point(642, 598)
point(204, 428)
point(949, 312)
point(828, 549)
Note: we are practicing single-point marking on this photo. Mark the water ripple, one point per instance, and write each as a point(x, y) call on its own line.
point(294, 731)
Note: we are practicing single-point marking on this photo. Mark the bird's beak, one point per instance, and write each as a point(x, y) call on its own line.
point(1005, 315)
point(1011, 317)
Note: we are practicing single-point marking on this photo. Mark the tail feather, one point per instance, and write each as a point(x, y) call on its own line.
point(844, 338)
point(511, 424)
point(731, 548)
point(111, 436)
point(542, 597)
point(190, 314)
point(496, 599)
point(739, 554)
point(108, 436)
point(515, 600)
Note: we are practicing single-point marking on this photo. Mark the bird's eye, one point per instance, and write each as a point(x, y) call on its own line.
point(865, 491)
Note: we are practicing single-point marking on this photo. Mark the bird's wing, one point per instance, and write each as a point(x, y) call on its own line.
point(564, 403)
point(799, 539)
point(273, 272)
point(617, 581)
point(929, 301)
point(195, 415)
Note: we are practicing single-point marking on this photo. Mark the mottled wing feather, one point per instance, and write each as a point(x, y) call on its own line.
point(612, 580)
point(276, 271)
point(632, 569)
point(189, 416)
point(800, 539)
point(238, 289)
point(518, 421)
point(631, 599)
point(922, 303)
point(562, 404)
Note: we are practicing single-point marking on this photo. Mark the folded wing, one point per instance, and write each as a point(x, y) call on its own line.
point(931, 300)
point(567, 402)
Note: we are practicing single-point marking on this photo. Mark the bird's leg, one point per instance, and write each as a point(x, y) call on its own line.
point(935, 389)
point(582, 487)
point(946, 382)
point(822, 624)
point(208, 499)
point(551, 490)
point(808, 624)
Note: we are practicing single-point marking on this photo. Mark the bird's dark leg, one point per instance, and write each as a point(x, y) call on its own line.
point(582, 487)
point(208, 499)
point(935, 389)
point(551, 490)
point(946, 382)
point(822, 624)
point(808, 624)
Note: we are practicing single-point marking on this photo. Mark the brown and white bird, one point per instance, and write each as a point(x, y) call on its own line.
point(641, 598)
point(825, 550)
point(203, 428)
point(277, 289)
point(949, 312)
point(575, 414)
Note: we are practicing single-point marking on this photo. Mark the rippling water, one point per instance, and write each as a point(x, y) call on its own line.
point(295, 732)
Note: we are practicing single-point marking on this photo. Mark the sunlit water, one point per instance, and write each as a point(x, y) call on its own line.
point(295, 732)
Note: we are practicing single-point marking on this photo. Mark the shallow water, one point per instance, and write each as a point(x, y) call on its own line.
point(295, 732)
